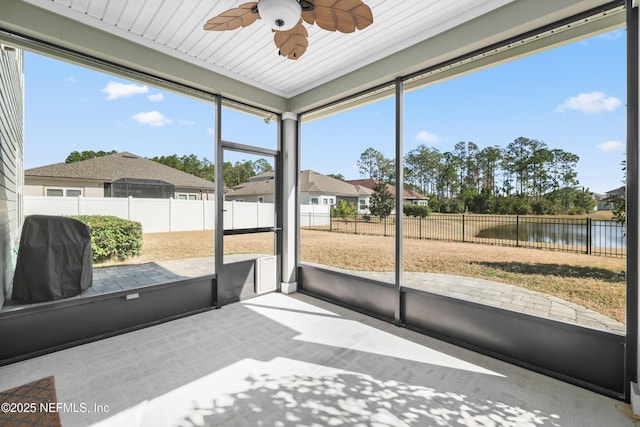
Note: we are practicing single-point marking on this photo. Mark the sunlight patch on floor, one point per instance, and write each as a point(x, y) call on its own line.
point(335, 331)
point(283, 392)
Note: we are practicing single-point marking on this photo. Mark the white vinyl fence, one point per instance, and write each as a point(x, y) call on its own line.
point(314, 215)
point(162, 215)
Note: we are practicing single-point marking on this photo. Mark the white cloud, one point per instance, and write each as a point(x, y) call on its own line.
point(425, 136)
point(186, 122)
point(590, 103)
point(152, 118)
point(156, 97)
point(70, 79)
point(211, 131)
point(611, 35)
point(611, 146)
point(120, 90)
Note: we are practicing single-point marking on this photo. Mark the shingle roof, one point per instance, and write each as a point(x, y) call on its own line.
point(310, 182)
point(325, 184)
point(118, 166)
point(371, 183)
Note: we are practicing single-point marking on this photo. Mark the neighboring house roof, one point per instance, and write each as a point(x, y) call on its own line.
point(310, 182)
point(264, 176)
point(620, 191)
point(371, 183)
point(118, 166)
point(258, 188)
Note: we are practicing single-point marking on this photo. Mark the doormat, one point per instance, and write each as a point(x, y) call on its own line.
point(31, 404)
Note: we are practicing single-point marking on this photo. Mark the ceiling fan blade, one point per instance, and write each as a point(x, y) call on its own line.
point(339, 15)
point(241, 16)
point(292, 43)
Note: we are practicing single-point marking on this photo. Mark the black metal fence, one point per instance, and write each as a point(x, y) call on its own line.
point(579, 235)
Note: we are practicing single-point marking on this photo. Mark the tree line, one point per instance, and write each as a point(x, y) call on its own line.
point(525, 177)
point(233, 173)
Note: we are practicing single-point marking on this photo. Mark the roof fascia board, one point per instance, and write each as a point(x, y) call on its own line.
point(503, 23)
point(37, 23)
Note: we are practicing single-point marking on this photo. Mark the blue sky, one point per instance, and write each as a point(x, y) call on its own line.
point(572, 97)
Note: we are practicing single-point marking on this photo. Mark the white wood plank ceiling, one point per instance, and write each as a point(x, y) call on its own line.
point(250, 55)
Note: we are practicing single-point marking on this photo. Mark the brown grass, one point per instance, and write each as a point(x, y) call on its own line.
point(591, 281)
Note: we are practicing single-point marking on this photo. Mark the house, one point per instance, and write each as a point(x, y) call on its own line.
point(604, 202)
point(315, 189)
point(410, 197)
point(116, 175)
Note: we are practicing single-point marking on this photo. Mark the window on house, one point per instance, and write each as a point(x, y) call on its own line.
point(363, 204)
point(62, 192)
point(55, 192)
point(186, 196)
point(314, 201)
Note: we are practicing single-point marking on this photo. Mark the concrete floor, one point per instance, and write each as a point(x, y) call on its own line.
point(279, 360)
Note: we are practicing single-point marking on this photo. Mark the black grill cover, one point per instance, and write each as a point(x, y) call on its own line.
point(54, 259)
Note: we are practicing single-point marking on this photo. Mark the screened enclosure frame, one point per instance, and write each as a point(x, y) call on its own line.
point(405, 305)
point(623, 349)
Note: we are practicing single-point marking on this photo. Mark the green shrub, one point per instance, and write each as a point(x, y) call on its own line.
point(415, 210)
point(543, 207)
point(113, 237)
point(344, 209)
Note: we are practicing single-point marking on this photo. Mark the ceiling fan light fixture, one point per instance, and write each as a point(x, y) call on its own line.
point(281, 15)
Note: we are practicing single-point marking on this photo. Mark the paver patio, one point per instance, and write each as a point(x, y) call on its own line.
point(509, 297)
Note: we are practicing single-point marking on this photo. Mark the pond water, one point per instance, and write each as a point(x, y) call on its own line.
point(603, 234)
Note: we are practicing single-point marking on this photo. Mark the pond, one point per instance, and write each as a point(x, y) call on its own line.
point(600, 234)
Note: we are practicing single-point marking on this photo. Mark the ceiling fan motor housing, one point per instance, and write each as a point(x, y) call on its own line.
point(281, 15)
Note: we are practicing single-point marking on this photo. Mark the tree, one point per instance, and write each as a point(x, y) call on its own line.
point(262, 165)
point(190, 164)
point(344, 209)
point(374, 165)
point(619, 205)
point(583, 201)
point(76, 156)
point(421, 166)
point(238, 173)
point(619, 201)
point(337, 176)
point(541, 158)
point(489, 163)
point(516, 159)
point(382, 201)
point(568, 174)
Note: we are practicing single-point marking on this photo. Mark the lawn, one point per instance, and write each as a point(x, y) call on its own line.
point(591, 281)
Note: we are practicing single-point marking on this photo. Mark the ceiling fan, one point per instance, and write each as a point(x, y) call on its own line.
point(286, 16)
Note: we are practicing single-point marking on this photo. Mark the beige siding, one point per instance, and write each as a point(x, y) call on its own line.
point(11, 160)
point(36, 186)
